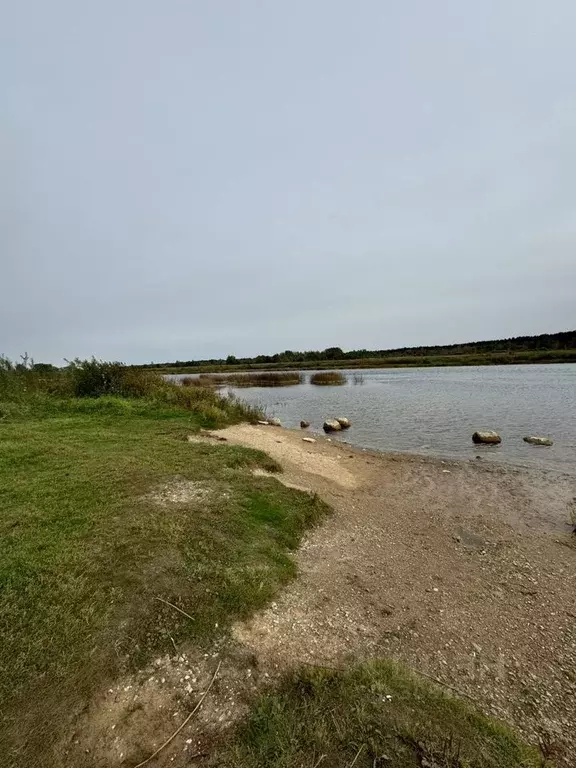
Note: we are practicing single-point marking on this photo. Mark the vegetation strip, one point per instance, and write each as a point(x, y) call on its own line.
point(545, 348)
point(371, 714)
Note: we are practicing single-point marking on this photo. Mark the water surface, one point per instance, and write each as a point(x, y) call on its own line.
point(435, 410)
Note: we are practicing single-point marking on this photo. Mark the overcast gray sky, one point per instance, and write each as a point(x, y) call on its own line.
point(185, 179)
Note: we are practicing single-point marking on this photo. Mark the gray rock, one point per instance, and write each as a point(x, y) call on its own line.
point(262, 422)
point(308, 440)
point(487, 436)
point(304, 424)
point(535, 440)
point(332, 425)
point(275, 422)
point(343, 421)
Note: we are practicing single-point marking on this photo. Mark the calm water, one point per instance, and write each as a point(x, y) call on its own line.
point(436, 410)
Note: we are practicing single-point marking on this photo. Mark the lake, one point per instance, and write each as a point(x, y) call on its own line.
point(434, 411)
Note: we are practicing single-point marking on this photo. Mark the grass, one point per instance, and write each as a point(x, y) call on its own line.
point(254, 379)
point(328, 378)
point(88, 545)
point(370, 715)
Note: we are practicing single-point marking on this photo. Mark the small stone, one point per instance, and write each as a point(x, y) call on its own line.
point(536, 440)
point(343, 421)
point(308, 440)
point(487, 436)
point(332, 425)
point(264, 423)
point(304, 424)
point(275, 422)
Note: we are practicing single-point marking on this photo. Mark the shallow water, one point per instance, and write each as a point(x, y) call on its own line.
point(434, 411)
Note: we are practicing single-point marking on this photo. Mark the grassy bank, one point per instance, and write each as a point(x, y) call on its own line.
point(371, 715)
point(107, 507)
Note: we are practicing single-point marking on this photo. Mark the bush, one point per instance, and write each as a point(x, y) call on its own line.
point(93, 378)
point(82, 380)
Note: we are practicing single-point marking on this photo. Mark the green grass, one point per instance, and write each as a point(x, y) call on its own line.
point(86, 550)
point(372, 715)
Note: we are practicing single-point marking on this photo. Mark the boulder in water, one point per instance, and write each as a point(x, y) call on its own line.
point(487, 436)
point(275, 422)
point(332, 425)
point(304, 424)
point(536, 440)
point(343, 421)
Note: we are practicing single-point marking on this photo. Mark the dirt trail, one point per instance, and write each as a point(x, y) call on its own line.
point(463, 570)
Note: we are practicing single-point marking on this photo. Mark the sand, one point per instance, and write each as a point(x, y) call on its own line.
point(464, 570)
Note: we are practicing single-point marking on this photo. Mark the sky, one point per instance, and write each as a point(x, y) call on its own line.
point(184, 179)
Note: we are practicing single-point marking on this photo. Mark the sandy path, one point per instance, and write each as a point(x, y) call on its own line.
point(463, 570)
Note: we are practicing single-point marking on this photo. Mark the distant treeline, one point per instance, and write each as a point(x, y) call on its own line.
point(548, 347)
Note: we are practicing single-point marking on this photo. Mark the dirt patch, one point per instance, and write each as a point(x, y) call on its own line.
point(296, 455)
point(180, 492)
point(129, 721)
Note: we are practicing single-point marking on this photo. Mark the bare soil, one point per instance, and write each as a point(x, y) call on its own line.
point(465, 571)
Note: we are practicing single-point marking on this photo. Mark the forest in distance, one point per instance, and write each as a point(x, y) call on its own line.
point(544, 348)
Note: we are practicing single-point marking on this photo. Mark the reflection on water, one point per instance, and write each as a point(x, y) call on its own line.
point(436, 410)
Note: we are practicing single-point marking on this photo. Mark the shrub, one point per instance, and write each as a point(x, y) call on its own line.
point(107, 382)
point(93, 378)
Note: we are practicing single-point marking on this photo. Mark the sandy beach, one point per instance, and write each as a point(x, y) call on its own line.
point(463, 570)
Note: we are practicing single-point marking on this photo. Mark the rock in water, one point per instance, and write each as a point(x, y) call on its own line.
point(343, 421)
point(487, 436)
point(332, 425)
point(304, 424)
point(535, 440)
point(275, 422)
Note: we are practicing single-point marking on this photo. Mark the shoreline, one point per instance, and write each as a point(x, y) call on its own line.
point(268, 438)
point(462, 570)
